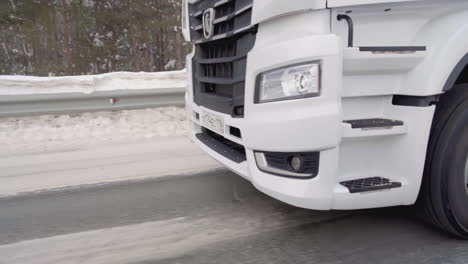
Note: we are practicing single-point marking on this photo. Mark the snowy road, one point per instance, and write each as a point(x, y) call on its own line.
point(214, 217)
point(138, 221)
point(118, 187)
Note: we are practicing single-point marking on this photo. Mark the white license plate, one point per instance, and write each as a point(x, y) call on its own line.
point(213, 122)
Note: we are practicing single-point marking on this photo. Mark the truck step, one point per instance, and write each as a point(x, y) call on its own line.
point(373, 127)
point(374, 123)
point(370, 184)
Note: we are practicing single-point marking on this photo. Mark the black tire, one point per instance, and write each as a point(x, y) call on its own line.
point(443, 199)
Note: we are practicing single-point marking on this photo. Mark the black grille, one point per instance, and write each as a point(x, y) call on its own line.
point(220, 61)
point(223, 146)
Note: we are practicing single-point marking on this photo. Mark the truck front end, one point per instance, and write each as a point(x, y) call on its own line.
point(264, 94)
point(329, 104)
point(266, 99)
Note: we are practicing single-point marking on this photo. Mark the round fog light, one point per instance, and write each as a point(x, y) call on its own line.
point(296, 163)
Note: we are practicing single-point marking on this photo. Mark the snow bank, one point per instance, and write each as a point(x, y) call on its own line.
point(18, 85)
point(61, 132)
point(100, 164)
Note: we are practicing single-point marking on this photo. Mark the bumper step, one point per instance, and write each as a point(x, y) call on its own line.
point(370, 184)
point(373, 123)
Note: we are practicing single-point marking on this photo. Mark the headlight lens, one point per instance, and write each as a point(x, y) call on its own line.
point(292, 82)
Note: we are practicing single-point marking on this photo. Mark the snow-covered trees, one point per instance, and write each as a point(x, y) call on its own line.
point(75, 37)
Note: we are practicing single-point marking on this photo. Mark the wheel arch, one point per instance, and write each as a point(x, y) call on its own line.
point(459, 74)
point(446, 62)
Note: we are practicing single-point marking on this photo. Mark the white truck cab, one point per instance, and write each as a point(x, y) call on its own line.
point(336, 104)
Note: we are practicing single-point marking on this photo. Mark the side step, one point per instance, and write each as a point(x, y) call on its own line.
point(374, 122)
point(370, 184)
point(373, 127)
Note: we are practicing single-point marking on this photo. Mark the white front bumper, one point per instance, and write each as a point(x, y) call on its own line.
point(304, 125)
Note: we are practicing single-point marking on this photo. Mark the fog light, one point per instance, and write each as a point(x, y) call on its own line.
point(299, 165)
point(296, 163)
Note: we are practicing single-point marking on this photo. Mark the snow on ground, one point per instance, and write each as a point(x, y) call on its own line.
point(39, 153)
point(19, 135)
point(100, 164)
point(17, 85)
point(61, 151)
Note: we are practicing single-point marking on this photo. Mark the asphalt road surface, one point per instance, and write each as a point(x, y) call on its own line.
point(214, 217)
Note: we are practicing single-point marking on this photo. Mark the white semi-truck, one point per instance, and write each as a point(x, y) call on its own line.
point(336, 104)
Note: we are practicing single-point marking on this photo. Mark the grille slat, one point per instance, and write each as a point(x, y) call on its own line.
point(228, 34)
point(229, 16)
point(222, 2)
point(216, 80)
point(219, 62)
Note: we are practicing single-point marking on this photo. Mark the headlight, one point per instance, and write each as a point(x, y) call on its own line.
point(291, 82)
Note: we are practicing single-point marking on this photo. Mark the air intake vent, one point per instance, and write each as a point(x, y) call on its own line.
point(220, 61)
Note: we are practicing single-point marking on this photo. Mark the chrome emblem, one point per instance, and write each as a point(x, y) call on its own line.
point(208, 22)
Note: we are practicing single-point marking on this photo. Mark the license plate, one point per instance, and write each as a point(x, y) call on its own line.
point(213, 122)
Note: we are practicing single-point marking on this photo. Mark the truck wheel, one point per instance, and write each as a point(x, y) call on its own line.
point(443, 199)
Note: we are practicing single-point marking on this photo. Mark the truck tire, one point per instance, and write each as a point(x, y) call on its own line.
point(443, 198)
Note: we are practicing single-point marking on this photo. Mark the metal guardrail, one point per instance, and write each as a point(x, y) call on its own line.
point(66, 103)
